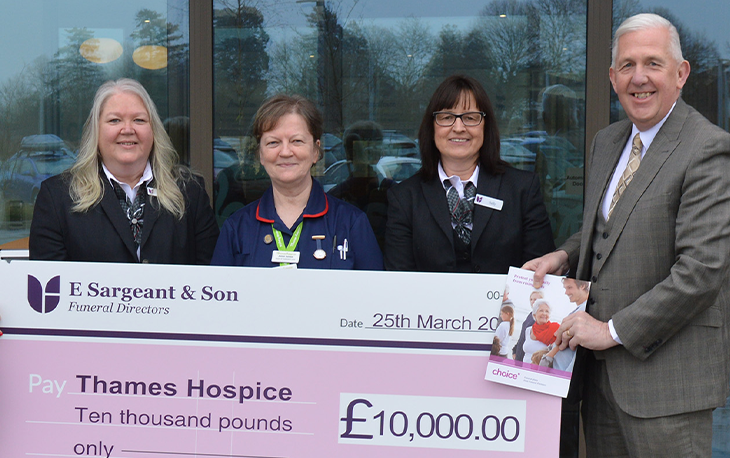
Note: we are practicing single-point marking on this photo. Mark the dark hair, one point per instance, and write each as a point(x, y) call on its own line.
point(367, 131)
point(448, 95)
point(276, 107)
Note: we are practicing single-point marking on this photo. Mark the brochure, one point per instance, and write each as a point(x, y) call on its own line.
point(523, 350)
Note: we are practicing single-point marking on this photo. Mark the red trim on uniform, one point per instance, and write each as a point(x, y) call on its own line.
point(263, 220)
point(326, 208)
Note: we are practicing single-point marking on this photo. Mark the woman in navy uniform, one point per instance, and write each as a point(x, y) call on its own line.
point(295, 222)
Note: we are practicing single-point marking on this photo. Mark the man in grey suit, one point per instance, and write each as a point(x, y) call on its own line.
point(655, 243)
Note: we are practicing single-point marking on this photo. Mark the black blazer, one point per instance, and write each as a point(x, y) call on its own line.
point(102, 234)
point(419, 236)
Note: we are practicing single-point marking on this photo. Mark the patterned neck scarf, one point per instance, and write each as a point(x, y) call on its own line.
point(461, 209)
point(133, 210)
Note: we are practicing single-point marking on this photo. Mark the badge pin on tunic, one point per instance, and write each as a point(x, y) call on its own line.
point(268, 238)
point(319, 253)
point(343, 249)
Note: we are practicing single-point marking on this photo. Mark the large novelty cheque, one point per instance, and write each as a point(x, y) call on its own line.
point(144, 361)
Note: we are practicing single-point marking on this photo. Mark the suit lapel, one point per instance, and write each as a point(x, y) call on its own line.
point(488, 185)
point(435, 197)
point(110, 206)
point(603, 162)
point(151, 214)
point(661, 148)
point(659, 151)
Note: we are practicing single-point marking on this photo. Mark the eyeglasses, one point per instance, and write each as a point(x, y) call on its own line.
point(447, 119)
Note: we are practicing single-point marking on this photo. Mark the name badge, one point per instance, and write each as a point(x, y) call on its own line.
point(489, 202)
point(292, 257)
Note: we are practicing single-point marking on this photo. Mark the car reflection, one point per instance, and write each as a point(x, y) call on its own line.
point(224, 155)
point(392, 168)
point(21, 175)
point(512, 151)
point(393, 144)
point(559, 165)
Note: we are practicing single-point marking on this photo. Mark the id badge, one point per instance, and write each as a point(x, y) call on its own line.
point(292, 257)
point(489, 202)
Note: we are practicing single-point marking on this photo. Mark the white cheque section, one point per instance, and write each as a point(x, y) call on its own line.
point(432, 422)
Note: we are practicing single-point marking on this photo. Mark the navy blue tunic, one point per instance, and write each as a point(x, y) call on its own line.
point(243, 239)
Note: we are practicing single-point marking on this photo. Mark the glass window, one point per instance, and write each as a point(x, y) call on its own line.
point(371, 67)
point(56, 55)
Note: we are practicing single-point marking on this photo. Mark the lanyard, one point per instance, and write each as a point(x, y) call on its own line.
point(292, 242)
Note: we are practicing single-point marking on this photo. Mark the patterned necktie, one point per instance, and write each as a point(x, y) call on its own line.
point(133, 210)
point(461, 209)
point(629, 171)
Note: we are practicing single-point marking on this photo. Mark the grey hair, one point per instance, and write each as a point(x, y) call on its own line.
point(537, 305)
point(647, 21)
point(87, 185)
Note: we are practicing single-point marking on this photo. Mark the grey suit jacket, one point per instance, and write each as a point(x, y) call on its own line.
point(661, 272)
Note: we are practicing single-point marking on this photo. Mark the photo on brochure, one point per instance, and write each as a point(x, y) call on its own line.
point(524, 353)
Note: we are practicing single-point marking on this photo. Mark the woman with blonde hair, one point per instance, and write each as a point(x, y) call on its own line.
point(125, 199)
point(506, 328)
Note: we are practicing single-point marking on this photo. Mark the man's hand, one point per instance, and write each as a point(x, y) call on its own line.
point(580, 328)
point(555, 263)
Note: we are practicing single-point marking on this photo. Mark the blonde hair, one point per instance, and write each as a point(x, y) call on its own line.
point(87, 184)
point(539, 294)
point(537, 357)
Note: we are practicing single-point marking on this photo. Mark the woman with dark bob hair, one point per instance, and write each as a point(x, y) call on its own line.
point(467, 210)
point(295, 224)
point(126, 198)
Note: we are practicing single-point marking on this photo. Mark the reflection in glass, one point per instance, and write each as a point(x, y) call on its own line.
point(49, 77)
point(705, 45)
point(150, 57)
point(101, 50)
point(362, 65)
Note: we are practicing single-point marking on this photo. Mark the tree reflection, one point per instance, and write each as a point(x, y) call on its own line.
point(240, 63)
point(704, 90)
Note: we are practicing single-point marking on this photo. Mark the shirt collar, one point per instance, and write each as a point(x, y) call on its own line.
point(317, 206)
point(647, 137)
point(128, 190)
point(146, 176)
point(456, 180)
